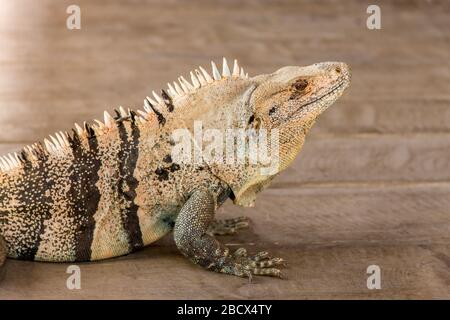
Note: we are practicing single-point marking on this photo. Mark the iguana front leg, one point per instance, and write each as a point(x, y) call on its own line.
point(192, 239)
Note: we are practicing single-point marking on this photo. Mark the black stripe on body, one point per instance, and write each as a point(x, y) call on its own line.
point(159, 115)
point(85, 194)
point(35, 205)
point(128, 156)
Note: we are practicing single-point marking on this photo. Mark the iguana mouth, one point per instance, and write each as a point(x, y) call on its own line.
point(331, 91)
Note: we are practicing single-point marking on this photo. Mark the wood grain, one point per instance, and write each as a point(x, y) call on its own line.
point(372, 185)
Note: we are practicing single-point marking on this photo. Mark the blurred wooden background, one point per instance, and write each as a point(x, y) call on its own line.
point(372, 185)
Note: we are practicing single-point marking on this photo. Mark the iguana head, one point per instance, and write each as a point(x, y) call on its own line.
point(287, 101)
point(291, 99)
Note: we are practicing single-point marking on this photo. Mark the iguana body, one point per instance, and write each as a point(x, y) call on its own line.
point(110, 188)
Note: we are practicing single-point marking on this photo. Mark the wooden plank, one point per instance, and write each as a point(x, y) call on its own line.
point(375, 158)
point(381, 158)
point(349, 214)
point(31, 118)
point(27, 121)
point(380, 115)
point(328, 272)
point(329, 238)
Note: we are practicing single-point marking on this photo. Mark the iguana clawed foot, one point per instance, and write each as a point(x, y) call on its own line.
point(262, 263)
point(240, 263)
point(228, 226)
point(193, 238)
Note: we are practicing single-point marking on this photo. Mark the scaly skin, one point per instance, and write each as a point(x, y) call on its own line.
point(111, 188)
point(3, 252)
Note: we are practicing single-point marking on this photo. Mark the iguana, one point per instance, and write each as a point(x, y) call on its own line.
point(112, 187)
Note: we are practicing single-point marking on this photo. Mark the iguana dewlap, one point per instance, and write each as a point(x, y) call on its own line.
point(110, 188)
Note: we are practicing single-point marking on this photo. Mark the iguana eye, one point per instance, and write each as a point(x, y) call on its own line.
point(300, 85)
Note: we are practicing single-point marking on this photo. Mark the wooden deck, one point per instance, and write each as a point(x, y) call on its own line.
point(372, 185)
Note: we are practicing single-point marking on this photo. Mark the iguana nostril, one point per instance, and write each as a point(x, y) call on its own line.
point(338, 70)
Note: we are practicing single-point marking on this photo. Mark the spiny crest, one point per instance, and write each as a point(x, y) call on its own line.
point(10, 161)
point(14, 160)
point(200, 78)
point(154, 106)
point(60, 142)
